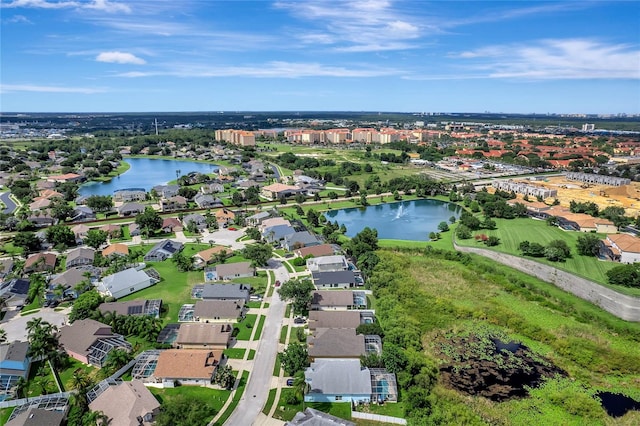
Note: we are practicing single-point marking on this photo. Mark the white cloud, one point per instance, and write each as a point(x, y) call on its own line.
point(17, 19)
point(119, 58)
point(557, 59)
point(101, 5)
point(274, 69)
point(355, 26)
point(7, 88)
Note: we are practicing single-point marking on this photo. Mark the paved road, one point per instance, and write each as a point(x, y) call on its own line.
point(16, 326)
point(257, 390)
point(8, 202)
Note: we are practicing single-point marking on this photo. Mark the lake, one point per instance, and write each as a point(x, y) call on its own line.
point(145, 173)
point(404, 220)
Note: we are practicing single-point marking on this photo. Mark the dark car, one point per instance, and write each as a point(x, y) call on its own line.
point(289, 382)
point(299, 320)
point(277, 283)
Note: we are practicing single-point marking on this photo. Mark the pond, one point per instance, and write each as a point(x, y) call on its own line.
point(146, 173)
point(404, 220)
point(617, 405)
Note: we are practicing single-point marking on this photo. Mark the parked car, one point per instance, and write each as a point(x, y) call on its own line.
point(289, 382)
point(278, 283)
point(299, 320)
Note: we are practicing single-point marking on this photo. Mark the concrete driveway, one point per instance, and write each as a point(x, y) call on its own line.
point(16, 326)
point(224, 237)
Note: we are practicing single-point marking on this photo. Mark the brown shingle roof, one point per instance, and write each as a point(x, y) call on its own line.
point(334, 319)
point(202, 333)
point(208, 254)
point(218, 309)
point(121, 249)
point(80, 335)
point(625, 242)
point(186, 364)
point(125, 403)
point(336, 343)
point(316, 251)
point(333, 298)
point(49, 260)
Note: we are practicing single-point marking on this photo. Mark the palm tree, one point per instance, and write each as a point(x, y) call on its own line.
point(300, 386)
point(21, 387)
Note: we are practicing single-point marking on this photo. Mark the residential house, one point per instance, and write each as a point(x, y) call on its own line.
point(112, 230)
point(80, 232)
point(229, 271)
point(163, 250)
point(207, 201)
point(256, 219)
point(212, 188)
point(128, 195)
point(6, 266)
point(14, 292)
point(226, 292)
point(177, 202)
point(339, 319)
point(40, 262)
point(225, 217)
point(166, 191)
point(197, 219)
point(623, 248)
point(278, 190)
point(209, 255)
point(171, 224)
point(149, 307)
point(63, 285)
point(41, 219)
point(216, 311)
point(204, 336)
point(334, 279)
point(186, 367)
point(33, 416)
point(327, 263)
point(127, 403)
point(130, 209)
point(82, 213)
point(68, 177)
point(585, 223)
point(272, 221)
point(80, 256)
point(338, 300)
point(124, 283)
point(90, 341)
point(311, 417)
point(276, 233)
point(316, 251)
point(336, 343)
point(134, 229)
point(338, 380)
point(300, 239)
point(14, 364)
point(116, 250)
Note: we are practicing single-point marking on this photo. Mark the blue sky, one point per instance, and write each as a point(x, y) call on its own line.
point(368, 55)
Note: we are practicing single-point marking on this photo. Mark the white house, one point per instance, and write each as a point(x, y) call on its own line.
point(125, 282)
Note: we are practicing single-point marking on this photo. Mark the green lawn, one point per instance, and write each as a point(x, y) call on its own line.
point(252, 354)
point(259, 327)
point(246, 327)
point(74, 365)
point(283, 334)
point(258, 283)
point(269, 403)
point(5, 413)
point(286, 411)
point(390, 409)
point(277, 366)
point(236, 399)
point(174, 289)
point(212, 397)
point(235, 353)
point(513, 232)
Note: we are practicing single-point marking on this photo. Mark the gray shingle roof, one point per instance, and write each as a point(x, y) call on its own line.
point(226, 291)
point(338, 377)
point(335, 277)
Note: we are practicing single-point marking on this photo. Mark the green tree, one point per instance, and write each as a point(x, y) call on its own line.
point(183, 262)
point(224, 377)
point(588, 245)
point(85, 305)
point(37, 287)
point(100, 203)
point(237, 198)
point(627, 275)
point(295, 358)
point(463, 232)
point(149, 220)
point(253, 233)
point(299, 292)
point(95, 238)
point(60, 209)
point(259, 254)
point(443, 226)
point(61, 235)
point(557, 251)
point(43, 338)
point(27, 241)
point(116, 359)
point(183, 411)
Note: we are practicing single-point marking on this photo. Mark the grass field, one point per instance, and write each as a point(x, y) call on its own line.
point(212, 397)
point(513, 232)
point(246, 327)
point(236, 399)
point(596, 349)
point(235, 353)
point(259, 327)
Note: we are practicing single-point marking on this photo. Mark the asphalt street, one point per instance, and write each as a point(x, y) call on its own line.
point(10, 206)
point(257, 390)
